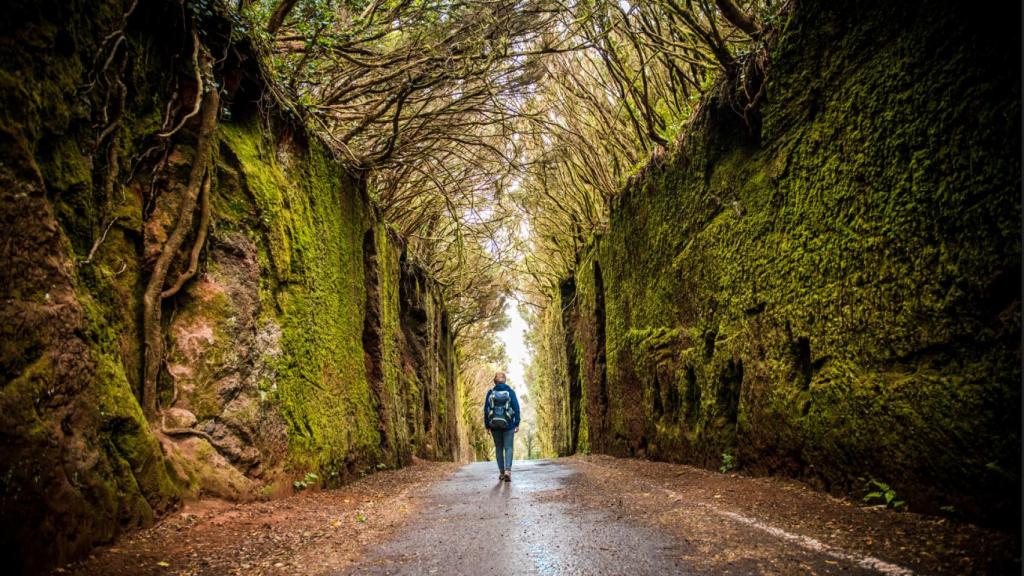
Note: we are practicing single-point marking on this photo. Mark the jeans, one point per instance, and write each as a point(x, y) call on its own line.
point(503, 442)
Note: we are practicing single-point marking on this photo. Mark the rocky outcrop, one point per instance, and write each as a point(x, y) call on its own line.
point(831, 292)
point(304, 343)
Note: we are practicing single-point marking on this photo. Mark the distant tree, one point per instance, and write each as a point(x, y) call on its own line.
point(530, 443)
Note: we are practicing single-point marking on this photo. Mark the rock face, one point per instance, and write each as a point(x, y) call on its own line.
point(832, 293)
point(305, 343)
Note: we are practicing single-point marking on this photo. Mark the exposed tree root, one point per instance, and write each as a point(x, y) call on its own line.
point(96, 244)
point(199, 88)
point(197, 247)
point(188, 432)
point(152, 298)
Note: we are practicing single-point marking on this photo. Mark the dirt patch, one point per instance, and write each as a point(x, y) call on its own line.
point(775, 526)
point(310, 533)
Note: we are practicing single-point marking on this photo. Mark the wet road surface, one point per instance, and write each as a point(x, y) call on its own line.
point(580, 515)
point(473, 524)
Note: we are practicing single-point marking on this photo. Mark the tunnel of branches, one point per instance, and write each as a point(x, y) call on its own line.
point(251, 237)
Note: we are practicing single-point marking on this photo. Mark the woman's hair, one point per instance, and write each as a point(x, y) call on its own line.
point(499, 377)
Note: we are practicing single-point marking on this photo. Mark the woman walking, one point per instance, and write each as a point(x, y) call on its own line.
point(501, 417)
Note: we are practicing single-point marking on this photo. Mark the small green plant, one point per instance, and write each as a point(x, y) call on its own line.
point(381, 466)
point(308, 480)
point(728, 463)
point(881, 491)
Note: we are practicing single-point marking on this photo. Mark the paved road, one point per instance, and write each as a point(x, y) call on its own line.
point(473, 524)
point(583, 515)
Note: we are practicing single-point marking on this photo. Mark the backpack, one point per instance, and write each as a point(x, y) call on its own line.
point(500, 409)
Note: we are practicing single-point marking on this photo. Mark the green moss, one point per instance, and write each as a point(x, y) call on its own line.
point(840, 300)
point(70, 399)
point(389, 273)
point(313, 220)
point(120, 417)
point(265, 183)
point(22, 393)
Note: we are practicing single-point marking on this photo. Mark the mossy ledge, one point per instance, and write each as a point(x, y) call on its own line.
point(835, 297)
point(306, 343)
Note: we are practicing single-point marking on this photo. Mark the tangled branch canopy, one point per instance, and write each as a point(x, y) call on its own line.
point(495, 133)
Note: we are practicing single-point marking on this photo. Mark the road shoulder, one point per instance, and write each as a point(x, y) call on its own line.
point(773, 525)
point(312, 532)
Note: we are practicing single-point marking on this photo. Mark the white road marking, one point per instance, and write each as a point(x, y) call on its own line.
point(806, 542)
point(869, 562)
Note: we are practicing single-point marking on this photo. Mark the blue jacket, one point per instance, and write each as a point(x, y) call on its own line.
point(515, 405)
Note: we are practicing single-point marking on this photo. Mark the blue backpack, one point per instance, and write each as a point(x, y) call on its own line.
point(500, 409)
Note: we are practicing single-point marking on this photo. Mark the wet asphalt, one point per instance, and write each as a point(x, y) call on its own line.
point(473, 524)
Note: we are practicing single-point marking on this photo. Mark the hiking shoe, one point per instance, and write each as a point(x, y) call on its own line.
point(501, 476)
point(508, 475)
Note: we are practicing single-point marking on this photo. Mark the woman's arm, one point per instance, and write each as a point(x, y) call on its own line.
point(487, 400)
point(515, 407)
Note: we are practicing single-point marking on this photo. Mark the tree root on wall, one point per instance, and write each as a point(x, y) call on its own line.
point(153, 343)
point(188, 432)
point(197, 247)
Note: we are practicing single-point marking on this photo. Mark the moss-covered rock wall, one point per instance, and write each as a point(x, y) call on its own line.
point(833, 297)
point(306, 342)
